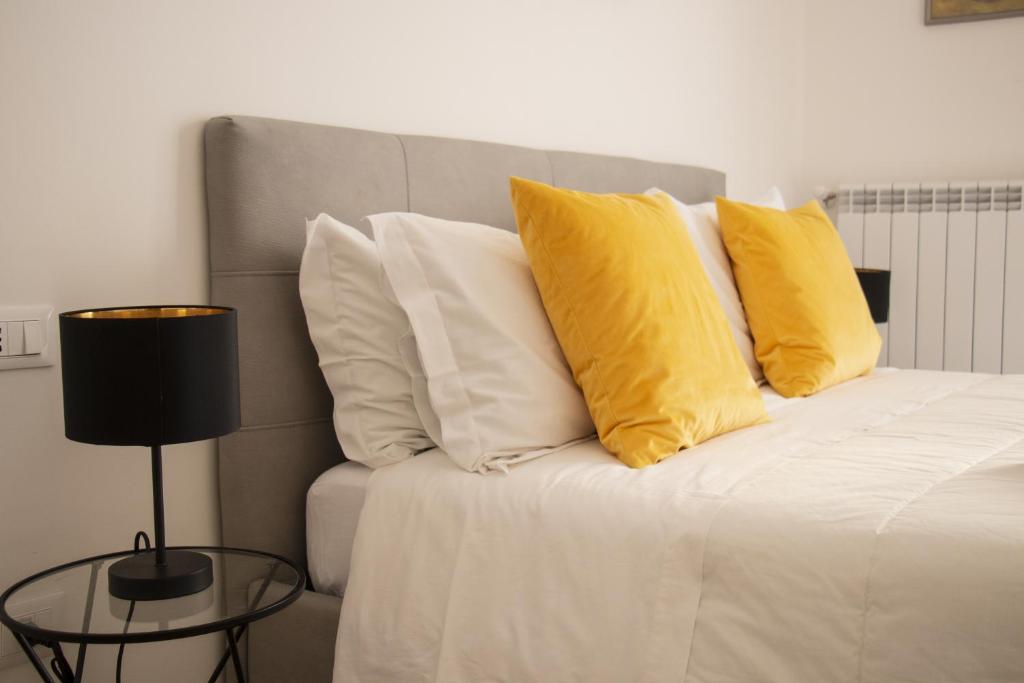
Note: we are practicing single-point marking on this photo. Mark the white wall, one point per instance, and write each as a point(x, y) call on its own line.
point(101, 197)
point(889, 98)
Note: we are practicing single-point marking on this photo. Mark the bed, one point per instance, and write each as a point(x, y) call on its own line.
point(264, 177)
point(871, 532)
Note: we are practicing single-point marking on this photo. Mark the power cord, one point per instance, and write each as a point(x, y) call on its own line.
point(140, 538)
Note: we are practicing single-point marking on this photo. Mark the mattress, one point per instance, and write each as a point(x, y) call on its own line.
point(872, 532)
point(332, 515)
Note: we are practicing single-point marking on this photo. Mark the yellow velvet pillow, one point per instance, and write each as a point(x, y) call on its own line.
point(811, 324)
point(636, 318)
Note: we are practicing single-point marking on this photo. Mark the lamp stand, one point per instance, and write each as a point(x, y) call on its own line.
point(159, 574)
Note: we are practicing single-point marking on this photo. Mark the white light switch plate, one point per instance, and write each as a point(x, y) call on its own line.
point(15, 345)
point(36, 341)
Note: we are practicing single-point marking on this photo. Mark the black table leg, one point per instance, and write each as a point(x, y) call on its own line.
point(227, 652)
point(235, 659)
point(59, 665)
point(94, 571)
point(80, 666)
point(233, 644)
point(33, 657)
point(232, 651)
point(220, 667)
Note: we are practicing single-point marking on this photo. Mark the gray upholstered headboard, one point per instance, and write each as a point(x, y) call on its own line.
point(263, 178)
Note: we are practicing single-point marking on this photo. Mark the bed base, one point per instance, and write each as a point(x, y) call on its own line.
point(296, 645)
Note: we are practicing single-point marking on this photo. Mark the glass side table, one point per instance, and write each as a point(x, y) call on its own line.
point(247, 586)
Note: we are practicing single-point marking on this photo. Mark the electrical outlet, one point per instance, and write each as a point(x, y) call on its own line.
point(39, 611)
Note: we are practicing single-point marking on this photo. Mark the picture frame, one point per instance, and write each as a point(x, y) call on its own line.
point(956, 11)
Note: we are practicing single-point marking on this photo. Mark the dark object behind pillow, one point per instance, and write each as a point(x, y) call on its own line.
point(875, 284)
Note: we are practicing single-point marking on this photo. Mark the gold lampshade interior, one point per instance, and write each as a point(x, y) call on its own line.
point(150, 312)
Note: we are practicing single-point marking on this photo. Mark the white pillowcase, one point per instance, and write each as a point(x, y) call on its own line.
point(358, 329)
point(496, 377)
point(706, 233)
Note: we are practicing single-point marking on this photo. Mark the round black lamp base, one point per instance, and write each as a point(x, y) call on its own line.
point(139, 577)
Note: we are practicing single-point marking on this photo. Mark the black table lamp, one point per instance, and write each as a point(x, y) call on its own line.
point(151, 376)
point(875, 284)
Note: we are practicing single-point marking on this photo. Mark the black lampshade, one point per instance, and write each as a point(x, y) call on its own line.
point(875, 284)
point(150, 376)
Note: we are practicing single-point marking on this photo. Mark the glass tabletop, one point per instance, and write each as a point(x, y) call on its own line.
point(247, 585)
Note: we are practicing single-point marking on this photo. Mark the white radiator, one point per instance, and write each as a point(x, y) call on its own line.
point(956, 252)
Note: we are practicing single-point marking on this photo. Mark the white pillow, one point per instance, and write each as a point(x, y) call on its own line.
point(496, 377)
point(358, 328)
point(706, 233)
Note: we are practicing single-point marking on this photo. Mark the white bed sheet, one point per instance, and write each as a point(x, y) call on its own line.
point(874, 532)
point(333, 504)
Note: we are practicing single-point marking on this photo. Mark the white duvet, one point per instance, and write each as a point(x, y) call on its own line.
point(874, 532)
